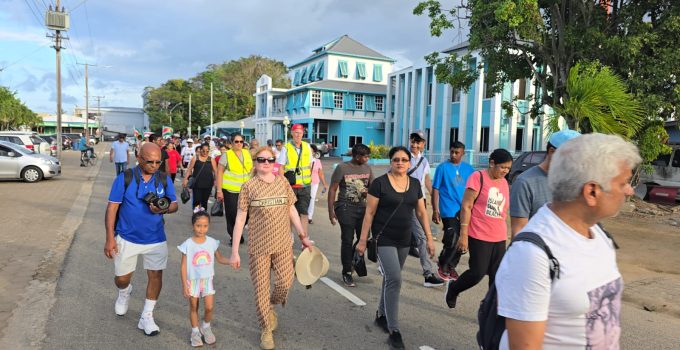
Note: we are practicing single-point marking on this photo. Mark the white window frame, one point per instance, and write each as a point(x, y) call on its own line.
point(359, 101)
point(338, 99)
point(379, 103)
point(316, 98)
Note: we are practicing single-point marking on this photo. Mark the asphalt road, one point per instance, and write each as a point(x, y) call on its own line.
point(82, 314)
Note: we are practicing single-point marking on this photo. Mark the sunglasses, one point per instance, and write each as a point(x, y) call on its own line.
point(262, 160)
point(152, 162)
point(238, 141)
point(400, 160)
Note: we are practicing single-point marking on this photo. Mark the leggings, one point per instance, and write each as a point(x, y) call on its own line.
point(391, 261)
point(230, 210)
point(173, 176)
point(260, 274)
point(201, 196)
point(485, 257)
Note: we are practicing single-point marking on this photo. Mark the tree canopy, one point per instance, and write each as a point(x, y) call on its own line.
point(14, 113)
point(233, 88)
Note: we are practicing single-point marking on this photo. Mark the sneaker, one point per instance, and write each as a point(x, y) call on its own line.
point(147, 324)
point(208, 335)
point(443, 274)
point(395, 340)
point(310, 221)
point(381, 321)
point(267, 340)
point(273, 320)
point(348, 280)
point(453, 274)
point(123, 300)
point(449, 297)
point(432, 281)
point(196, 339)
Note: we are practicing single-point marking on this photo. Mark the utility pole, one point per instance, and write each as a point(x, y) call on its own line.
point(87, 103)
point(99, 111)
point(189, 116)
point(211, 111)
point(58, 21)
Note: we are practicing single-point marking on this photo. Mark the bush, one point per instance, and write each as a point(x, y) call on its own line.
point(379, 151)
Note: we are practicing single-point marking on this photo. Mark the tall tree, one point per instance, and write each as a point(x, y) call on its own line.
point(14, 113)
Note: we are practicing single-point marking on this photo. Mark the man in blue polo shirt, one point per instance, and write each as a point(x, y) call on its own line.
point(135, 228)
point(447, 195)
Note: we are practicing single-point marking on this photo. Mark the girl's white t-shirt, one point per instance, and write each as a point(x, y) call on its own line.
point(200, 257)
point(583, 306)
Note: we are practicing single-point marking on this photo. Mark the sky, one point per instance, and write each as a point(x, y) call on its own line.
point(133, 44)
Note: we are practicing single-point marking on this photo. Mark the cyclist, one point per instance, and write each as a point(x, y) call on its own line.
point(85, 151)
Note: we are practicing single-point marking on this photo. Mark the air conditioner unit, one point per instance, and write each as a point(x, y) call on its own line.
point(55, 20)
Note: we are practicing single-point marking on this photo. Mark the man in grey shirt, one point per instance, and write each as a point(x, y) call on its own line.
point(529, 192)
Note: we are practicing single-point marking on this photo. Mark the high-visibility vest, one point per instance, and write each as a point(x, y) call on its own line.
point(236, 173)
point(304, 177)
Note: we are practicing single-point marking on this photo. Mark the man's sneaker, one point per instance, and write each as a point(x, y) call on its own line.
point(123, 301)
point(348, 280)
point(443, 274)
point(381, 321)
point(267, 340)
point(196, 339)
point(395, 340)
point(449, 297)
point(147, 324)
point(208, 335)
point(453, 274)
point(433, 281)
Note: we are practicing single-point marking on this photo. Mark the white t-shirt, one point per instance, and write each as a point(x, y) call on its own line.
point(200, 257)
point(583, 305)
point(188, 153)
point(120, 151)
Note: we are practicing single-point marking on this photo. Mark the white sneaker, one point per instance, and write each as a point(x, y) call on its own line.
point(147, 324)
point(123, 300)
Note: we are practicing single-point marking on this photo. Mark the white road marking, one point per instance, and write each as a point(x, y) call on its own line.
point(426, 347)
point(344, 292)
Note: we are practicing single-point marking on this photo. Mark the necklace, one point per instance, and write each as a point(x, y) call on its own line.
point(458, 179)
point(397, 185)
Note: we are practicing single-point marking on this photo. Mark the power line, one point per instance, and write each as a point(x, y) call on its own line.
point(37, 18)
point(23, 58)
point(78, 5)
point(44, 4)
point(89, 30)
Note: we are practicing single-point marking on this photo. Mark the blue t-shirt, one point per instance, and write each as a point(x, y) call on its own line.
point(450, 180)
point(83, 146)
point(136, 222)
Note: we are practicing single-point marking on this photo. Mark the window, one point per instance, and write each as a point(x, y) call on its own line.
point(343, 72)
point(353, 140)
point(455, 95)
point(359, 100)
point(296, 80)
point(429, 94)
point(334, 141)
point(319, 71)
point(663, 160)
point(361, 71)
point(337, 99)
point(519, 140)
point(534, 140)
point(676, 159)
point(316, 98)
point(487, 88)
point(427, 142)
point(484, 141)
point(453, 136)
point(377, 72)
point(379, 103)
point(312, 72)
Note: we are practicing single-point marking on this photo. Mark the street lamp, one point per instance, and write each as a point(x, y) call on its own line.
point(286, 122)
point(242, 126)
point(172, 109)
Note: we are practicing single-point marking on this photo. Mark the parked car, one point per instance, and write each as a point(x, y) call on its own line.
point(664, 180)
point(52, 140)
point(28, 140)
point(525, 161)
point(17, 162)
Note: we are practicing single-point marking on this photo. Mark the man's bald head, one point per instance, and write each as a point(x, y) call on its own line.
point(149, 158)
point(150, 149)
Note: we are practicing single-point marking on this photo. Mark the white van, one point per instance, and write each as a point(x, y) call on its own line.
point(29, 140)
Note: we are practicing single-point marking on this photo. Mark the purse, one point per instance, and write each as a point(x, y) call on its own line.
point(185, 195)
point(290, 174)
point(217, 209)
point(372, 244)
point(191, 181)
point(358, 263)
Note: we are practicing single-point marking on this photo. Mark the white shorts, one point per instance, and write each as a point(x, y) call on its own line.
point(155, 256)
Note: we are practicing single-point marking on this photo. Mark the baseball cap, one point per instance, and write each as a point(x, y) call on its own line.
point(190, 140)
point(560, 137)
point(206, 136)
point(297, 127)
point(418, 134)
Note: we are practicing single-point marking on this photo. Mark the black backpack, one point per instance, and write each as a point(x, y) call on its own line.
point(491, 325)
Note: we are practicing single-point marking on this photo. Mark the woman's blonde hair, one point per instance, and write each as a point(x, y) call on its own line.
point(258, 151)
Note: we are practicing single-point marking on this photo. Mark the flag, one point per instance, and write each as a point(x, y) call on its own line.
point(136, 132)
point(167, 132)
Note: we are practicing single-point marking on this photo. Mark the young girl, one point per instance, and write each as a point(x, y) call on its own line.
point(197, 275)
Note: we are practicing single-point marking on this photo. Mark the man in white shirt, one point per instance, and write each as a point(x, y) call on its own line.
point(589, 181)
point(119, 154)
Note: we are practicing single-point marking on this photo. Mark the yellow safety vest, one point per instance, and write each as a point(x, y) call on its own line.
point(236, 173)
point(305, 176)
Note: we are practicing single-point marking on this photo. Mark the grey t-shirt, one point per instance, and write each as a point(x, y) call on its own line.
point(354, 180)
point(529, 192)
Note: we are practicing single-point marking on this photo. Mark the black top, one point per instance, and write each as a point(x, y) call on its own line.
point(397, 233)
point(204, 178)
point(164, 157)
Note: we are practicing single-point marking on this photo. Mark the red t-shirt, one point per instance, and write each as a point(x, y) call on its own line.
point(488, 214)
point(173, 159)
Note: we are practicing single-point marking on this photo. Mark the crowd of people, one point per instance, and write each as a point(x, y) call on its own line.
point(271, 191)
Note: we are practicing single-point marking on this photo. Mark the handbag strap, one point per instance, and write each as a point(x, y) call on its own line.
point(201, 169)
point(416, 167)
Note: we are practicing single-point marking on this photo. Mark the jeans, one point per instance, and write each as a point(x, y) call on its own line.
point(120, 167)
point(391, 261)
point(485, 257)
point(419, 235)
point(350, 218)
point(450, 255)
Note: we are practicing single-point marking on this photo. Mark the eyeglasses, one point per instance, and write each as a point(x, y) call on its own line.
point(262, 160)
point(238, 141)
point(401, 160)
point(152, 162)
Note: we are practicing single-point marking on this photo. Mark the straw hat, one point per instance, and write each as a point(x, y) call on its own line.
point(311, 265)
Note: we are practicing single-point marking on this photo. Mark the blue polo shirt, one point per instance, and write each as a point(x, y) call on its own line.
point(450, 180)
point(136, 222)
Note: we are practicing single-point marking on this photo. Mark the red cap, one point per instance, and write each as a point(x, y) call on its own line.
point(297, 127)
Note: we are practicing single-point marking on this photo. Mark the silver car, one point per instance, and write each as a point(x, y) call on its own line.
point(17, 162)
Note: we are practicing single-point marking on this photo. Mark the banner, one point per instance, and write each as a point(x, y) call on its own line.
point(167, 132)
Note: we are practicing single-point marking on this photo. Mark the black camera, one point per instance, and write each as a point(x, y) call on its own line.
point(162, 203)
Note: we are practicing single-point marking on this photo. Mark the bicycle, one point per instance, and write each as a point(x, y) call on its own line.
point(85, 160)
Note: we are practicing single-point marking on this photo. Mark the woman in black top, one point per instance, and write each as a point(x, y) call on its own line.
point(202, 168)
point(389, 205)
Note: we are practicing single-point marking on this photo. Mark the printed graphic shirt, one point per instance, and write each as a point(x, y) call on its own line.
point(354, 180)
point(488, 214)
point(583, 306)
point(200, 257)
point(268, 205)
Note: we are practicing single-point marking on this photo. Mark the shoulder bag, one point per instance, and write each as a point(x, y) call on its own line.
point(192, 179)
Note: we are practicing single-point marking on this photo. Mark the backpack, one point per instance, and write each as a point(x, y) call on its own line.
point(492, 325)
